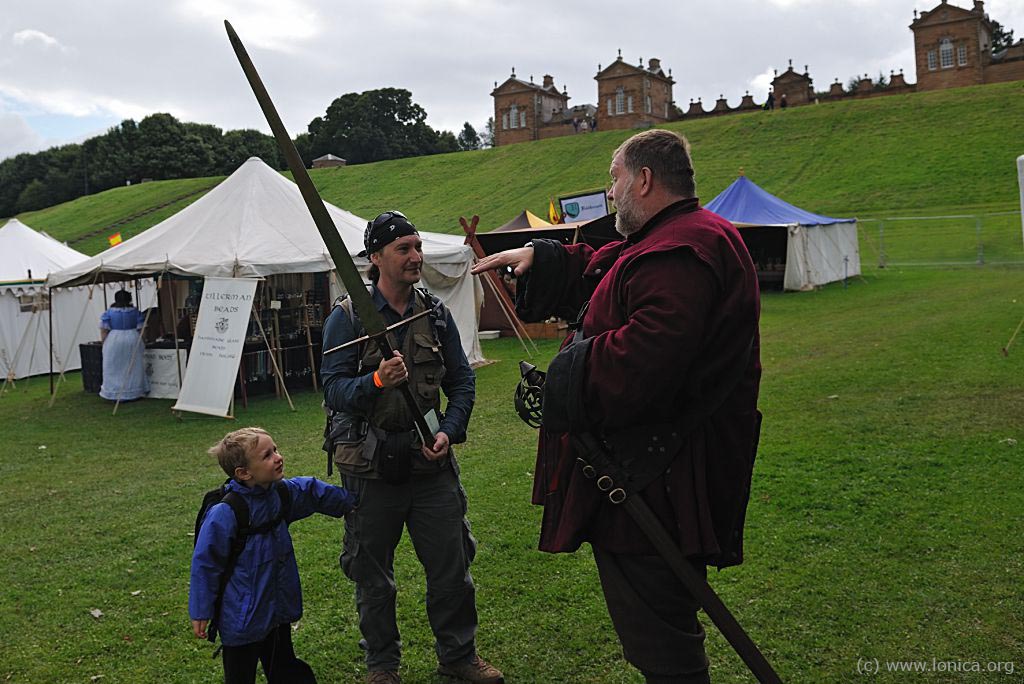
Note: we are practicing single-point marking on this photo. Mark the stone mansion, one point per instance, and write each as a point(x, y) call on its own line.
point(952, 48)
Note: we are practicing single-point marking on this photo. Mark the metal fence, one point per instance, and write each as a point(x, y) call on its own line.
point(959, 240)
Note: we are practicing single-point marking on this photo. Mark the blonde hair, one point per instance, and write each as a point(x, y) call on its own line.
point(233, 451)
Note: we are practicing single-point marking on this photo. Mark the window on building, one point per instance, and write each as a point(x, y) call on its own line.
point(620, 101)
point(513, 117)
point(629, 104)
point(961, 55)
point(504, 121)
point(933, 60)
point(522, 119)
point(610, 111)
point(946, 53)
point(647, 104)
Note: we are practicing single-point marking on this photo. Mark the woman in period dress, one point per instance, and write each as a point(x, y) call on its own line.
point(124, 365)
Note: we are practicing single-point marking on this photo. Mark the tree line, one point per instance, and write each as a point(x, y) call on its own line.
point(359, 127)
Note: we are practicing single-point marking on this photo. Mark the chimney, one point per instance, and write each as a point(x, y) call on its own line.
point(549, 81)
point(654, 64)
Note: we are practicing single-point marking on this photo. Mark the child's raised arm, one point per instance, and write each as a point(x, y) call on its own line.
point(310, 495)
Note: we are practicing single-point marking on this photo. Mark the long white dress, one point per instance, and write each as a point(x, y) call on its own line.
point(124, 362)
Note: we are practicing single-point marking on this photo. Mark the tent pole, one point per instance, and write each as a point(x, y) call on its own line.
point(309, 342)
point(496, 287)
point(174, 328)
point(49, 297)
point(509, 316)
point(272, 360)
point(81, 317)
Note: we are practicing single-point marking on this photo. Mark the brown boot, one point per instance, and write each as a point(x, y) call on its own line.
point(383, 677)
point(477, 670)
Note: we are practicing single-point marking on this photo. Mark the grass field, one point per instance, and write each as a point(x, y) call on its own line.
point(884, 521)
point(948, 151)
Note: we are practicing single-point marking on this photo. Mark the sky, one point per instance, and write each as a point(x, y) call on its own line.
point(70, 70)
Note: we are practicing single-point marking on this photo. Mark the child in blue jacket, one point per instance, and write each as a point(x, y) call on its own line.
point(262, 596)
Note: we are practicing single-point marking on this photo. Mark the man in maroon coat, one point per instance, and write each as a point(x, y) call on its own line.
point(670, 336)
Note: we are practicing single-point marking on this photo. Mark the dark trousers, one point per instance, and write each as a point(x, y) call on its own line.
point(655, 617)
point(275, 653)
point(433, 509)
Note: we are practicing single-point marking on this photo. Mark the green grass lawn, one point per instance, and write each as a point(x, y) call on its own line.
point(884, 521)
point(951, 151)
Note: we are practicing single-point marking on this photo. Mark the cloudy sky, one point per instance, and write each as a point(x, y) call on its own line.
point(70, 69)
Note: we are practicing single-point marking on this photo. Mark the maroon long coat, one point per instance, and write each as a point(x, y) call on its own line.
point(672, 309)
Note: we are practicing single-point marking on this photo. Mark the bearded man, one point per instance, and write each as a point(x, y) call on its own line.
point(669, 335)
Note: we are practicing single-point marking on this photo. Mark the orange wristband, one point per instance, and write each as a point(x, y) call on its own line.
point(376, 380)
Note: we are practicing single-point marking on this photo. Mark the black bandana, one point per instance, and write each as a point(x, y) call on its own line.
point(384, 229)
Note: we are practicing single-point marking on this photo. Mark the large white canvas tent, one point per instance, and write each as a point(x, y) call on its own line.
point(813, 249)
point(254, 224)
point(26, 258)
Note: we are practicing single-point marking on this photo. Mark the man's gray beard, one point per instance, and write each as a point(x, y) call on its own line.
point(627, 223)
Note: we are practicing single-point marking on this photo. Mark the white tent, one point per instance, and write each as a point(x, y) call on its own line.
point(814, 249)
point(26, 257)
point(255, 223)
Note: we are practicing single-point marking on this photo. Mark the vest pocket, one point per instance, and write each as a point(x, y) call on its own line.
point(355, 444)
point(429, 368)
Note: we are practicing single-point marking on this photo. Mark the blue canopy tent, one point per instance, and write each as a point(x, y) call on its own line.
point(798, 248)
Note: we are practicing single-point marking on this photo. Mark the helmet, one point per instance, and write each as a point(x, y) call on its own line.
point(529, 393)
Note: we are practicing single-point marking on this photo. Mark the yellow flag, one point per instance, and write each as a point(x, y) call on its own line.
point(114, 239)
point(553, 216)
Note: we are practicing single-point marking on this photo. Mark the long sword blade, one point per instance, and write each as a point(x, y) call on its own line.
point(371, 319)
point(343, 264)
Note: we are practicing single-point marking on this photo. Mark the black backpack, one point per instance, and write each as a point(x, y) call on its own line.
point(243, 532)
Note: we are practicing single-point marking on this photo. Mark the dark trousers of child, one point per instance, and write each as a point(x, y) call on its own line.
point(275, 653)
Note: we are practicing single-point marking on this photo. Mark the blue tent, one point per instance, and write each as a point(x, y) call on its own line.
point(746, 203)
point(788, 244)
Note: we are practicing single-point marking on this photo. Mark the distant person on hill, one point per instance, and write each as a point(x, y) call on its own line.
point(769, 104)
point(593, 123)
point(124, 365)
point(584, 126)
point(664, 370)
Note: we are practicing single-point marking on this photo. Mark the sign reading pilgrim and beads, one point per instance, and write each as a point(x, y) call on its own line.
point(217, 346)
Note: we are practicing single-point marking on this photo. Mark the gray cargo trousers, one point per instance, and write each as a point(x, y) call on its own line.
point(433, 507)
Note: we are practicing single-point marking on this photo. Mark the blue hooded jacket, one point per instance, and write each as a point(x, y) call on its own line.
point(263, 591)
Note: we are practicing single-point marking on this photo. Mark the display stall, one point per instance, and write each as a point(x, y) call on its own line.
point(255, 225)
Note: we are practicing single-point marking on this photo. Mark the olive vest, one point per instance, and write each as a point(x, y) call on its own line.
point(359, 454)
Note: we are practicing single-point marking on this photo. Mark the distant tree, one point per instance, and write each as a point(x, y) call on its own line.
point(237, 146)
point(375, 125)
point(487, 137)
point(1001, 38)
point(468, 138)
point(34, 196)
point(882, 82)
point(447, 142)
point(109, 159)
point(851, 85)
point(305, 147)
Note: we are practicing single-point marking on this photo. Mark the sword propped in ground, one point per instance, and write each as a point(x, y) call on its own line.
point(371, 319)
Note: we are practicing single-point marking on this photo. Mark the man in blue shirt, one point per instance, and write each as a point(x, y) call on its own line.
point(398, 480)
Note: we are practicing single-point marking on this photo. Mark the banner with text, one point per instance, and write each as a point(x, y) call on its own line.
point(162, 371)
point(584, 206)
point(217, 346)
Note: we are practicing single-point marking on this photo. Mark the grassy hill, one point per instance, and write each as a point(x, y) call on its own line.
point(941, 152)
